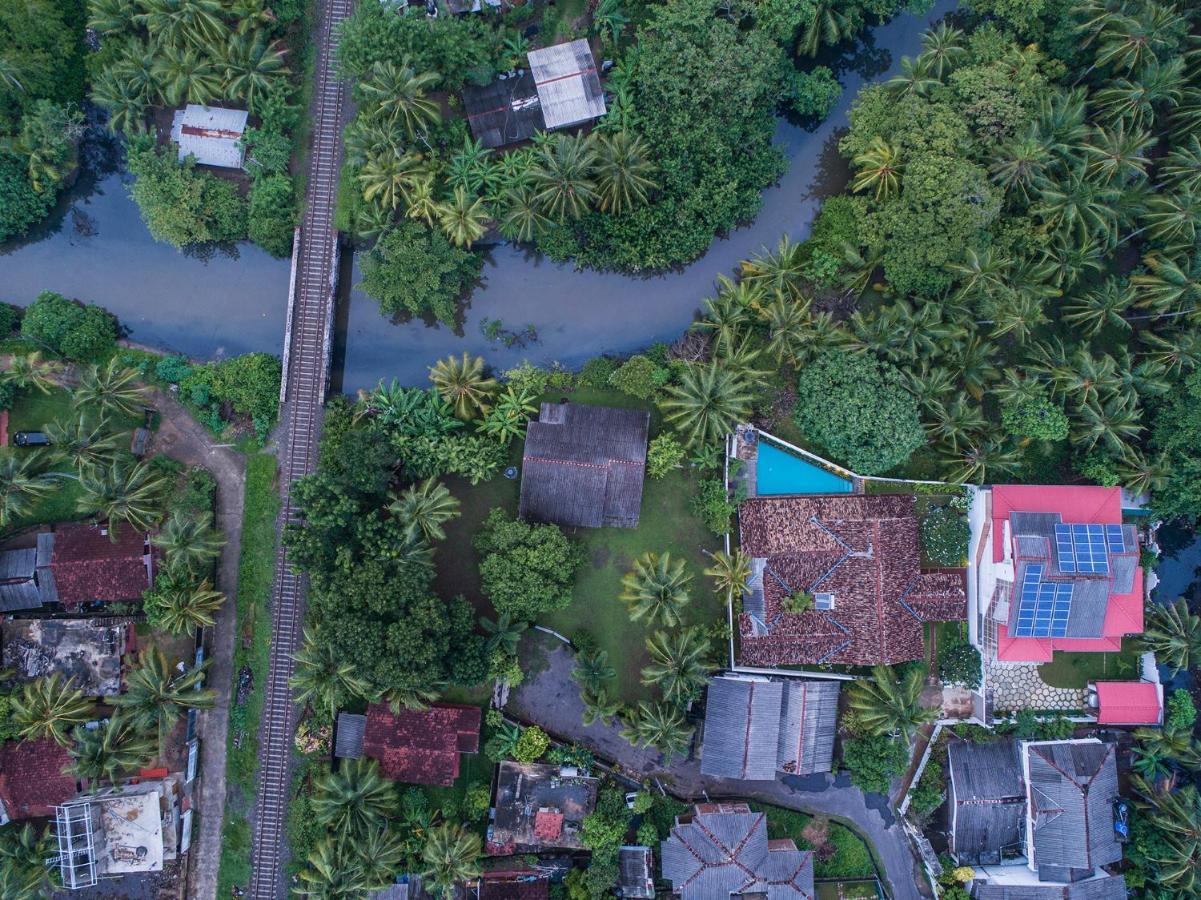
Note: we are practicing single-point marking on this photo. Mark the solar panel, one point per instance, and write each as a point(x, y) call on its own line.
point(1063, 548)
point(1116, 539)
point(1043, 608)
point(1091, 553)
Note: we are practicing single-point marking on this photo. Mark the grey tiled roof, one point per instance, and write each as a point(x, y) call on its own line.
point(18, 590)
point(1109, 887)
point(349, 741)
point(988, 801)
point(1072, 787)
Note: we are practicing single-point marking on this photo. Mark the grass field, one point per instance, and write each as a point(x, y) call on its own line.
point(1076, 670)
point(666, 523)
point(851, 857)
point(255, 571)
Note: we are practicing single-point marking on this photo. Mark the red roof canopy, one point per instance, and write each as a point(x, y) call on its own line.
point(548, 825)
point(421, 747)
point(88, 565)
point(1129, 703)
point(32, 782)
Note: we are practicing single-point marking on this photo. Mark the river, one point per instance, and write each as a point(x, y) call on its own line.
point(96, 248)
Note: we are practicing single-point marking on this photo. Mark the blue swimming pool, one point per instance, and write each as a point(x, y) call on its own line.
point(780, 472)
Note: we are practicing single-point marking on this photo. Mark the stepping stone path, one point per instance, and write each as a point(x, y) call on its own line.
point(1020, 687)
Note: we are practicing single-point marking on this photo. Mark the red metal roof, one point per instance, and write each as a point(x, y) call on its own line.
point(1128, 703)
point(32, 782)
point(421, 747)
point(88, 565)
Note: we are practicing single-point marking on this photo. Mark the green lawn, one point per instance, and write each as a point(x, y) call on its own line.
point(666, 523)
point(1076, 670)
point(851, 858)
point(255, 572)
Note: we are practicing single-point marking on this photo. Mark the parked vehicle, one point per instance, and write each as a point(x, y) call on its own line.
point(31, 439)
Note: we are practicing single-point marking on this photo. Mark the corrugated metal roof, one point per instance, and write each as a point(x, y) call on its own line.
point(18, 590)
point(349, 741)
point(504, 112)
point(1129, 703)
point(568, 84)
point(211, 134)
point(1109, 887)
point(988, 801)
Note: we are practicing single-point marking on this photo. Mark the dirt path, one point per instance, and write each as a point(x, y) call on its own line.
point(181, 437)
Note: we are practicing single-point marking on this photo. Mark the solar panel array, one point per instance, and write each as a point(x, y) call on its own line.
point(1084, 549)
point(1043, 606)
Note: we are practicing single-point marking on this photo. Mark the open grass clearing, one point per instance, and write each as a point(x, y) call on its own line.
point(1076, 670)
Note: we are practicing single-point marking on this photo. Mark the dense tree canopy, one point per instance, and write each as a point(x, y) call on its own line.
point(526, 569)
point(416, 270)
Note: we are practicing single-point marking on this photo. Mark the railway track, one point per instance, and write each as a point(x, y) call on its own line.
point(307, 358)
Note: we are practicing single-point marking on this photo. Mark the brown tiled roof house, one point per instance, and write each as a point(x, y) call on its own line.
point(859, 556)
point(420, 746)
point(32, 779)
point(87, 565)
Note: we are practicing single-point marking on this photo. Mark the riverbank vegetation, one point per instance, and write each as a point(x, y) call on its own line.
point(153, 58)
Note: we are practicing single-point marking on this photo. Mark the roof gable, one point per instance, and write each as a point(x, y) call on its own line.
point(988, 800)
point(89, 566)
point(1071, 789)
point(32, 779)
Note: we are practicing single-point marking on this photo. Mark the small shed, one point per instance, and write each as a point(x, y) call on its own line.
point(636, 873)
point(211, 134)
point(1129, 703)
point(504, 112)
point(569, 86)
point(348, 741)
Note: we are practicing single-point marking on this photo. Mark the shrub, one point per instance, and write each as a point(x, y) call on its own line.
point(712, 504)
point(531, 745)
point(248, 383)
point(1099, 467)
point(477, 801)
point(596, 371)
point(945, 536)
point(172, 369)
point(1034, 417)
point(20, 205)
point(959, 663)
point(648, 834)
point(874, 761)
point(812, 94)
point(414, 269)
point(637, 376)
point(1182, 712)
point(68, 327)
point(928, 795)
point(663, 455)
point(273, 214)
point(10, 317)
point(858, 408)
point(268, 152)
point(8, 395)
point(183, 206)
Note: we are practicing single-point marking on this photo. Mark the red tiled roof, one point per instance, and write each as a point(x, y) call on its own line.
point(88, 565)
point(548, 825)
point(421, 747)
point(864, 550)
point(32, 782)
point(527, 887)
point(1128, 703)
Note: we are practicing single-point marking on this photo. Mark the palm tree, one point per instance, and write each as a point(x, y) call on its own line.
point(917, 78)
point(599, 707)
point(1141, 474)
point(943, 47)
point(23, 481)
point(399, 93)
point(423, 205)
point(509, 415)
point(380, 855)
point(880, 168)
point(184, 21)
point(50, 707)
point(1135, 99)
point(184, 607)
point(1173, 219)
point(1117, 155)
point(1079, 209)
point(464, 218)
point(787, 322)
point(334, 871)
point(1131, 42)
point(522, 219)
point(1111, 423)
point(981, 461)
point(113, 388)
point(422, 510)
point(388, 179)
point(82, 443)
point(563, 182)
point(30, 372)
point(1173, 634)
point(461, 383)
point(659, 725)
point(829, 25)
point(891, 705)
point(1020, 164)
point(126, 105)
point(112, 16)
point(123, 494)
point(324, 677)
point(364, 137)
point(111, 751)
point(186, 75)
point(679, 663)
point(730, 572)
point(504, 633)
point(1175, 744)
point(1168, 285)
point(451, 856)
point(1174, 817)
point(252, 64)
point(623, 171)
point(1182, 166)
point(592, 670)
point(707, 404)
point(157, 697)
point(780, 271)
point(189, 542)
point(417, 697)
point(355, 800)
point(656, 589)
point(24, 852)
point(1101, 307)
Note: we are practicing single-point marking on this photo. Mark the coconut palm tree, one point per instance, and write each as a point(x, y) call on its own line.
point(112, 16)
point(463, 218)
point(189, 542)
point(30, 371)
point(879, 168)
point(451, 856)
point(916, 78)
point(380, 855)
point(680, 663)
point(1020, 164)
point(1168, 285)
point(891, 705)
point(1174, 817)
point(83, 443)
point(24, 852)
point(126, 105)
point(50, 707)
point(789, 335)
point(354, 800)
point(1078, 208)
point(779, 271)
point(1176, 744)
point(522, 219)
point(184, 607)
point(956, 424)
point(829, 25)
point(157, 696)
point(1173, 634)
point(592, 670)
point(112, 388)
point(461, 383)
point(1112, 424)
point(186, 75)
point(388, 180)
point(111, 751)
point(504, 633)
point(1130, 42)
point(1116, 155)
point(123, 494)
point(1173, 220)
point(1101, 307)
point(1142, 474)
point(707, 404)
point(623, 171)
point(417, 697)
point(659, 725)
point(325, 678)
point(399, 94)
point(252, 64)
point(177, 22)
point(982, 460)
point(730, 572)
point(943, 48)
point(334, 870)
point(1134, 100)
point(656, 589)
point(423, 509)
point(23, 481)
point(563, 176)
point(1181, 168)
point(599, 706)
